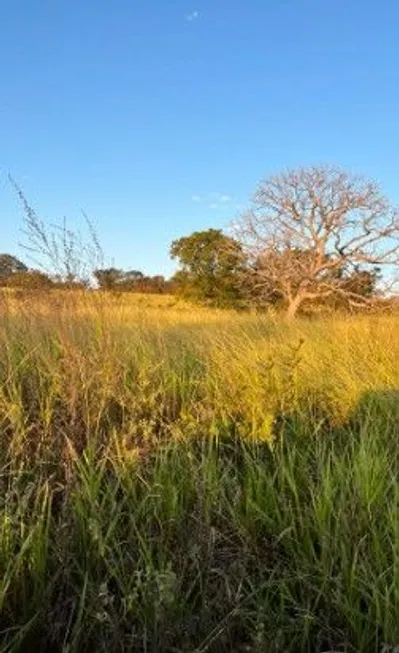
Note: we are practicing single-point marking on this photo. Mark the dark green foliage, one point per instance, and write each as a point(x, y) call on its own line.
point(360, 283)
point(206, 546)
point(10, 265)
point(212, 265)
point(131, 281)
point(108, 278)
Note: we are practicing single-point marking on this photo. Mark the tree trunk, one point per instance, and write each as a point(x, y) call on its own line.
point(293, 306)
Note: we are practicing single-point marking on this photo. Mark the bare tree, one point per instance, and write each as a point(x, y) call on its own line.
point(310, 228)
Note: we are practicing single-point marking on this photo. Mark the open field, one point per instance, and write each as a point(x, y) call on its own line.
point(179, 479)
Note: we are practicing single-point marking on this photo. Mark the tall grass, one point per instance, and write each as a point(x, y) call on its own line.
point(192, 480)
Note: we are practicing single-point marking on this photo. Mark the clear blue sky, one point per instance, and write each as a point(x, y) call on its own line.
point(129, 109)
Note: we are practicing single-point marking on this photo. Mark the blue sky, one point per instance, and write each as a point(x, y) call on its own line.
point(159, 117)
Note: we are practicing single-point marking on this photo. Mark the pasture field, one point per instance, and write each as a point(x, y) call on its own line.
point(176, 479)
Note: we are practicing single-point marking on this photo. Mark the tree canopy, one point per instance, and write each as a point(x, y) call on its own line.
point(210, 267)
point(10, 265)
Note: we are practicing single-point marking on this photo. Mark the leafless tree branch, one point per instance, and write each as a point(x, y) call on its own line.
point(308, 228)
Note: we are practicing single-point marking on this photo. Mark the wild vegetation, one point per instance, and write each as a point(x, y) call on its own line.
point(178, 475)
point(316, 237)
point(196, 480)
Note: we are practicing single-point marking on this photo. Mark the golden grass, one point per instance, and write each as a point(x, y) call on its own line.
point(141, 506)
point(201, 364)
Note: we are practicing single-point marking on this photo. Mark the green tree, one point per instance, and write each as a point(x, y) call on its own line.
point(108, 278)
point(211, 267)
point(130, 281)
point(10, 265)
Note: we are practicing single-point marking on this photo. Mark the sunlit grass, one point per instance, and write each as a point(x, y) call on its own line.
point(183, 479)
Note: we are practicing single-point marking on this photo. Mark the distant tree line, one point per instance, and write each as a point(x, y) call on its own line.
point(132, 281)
point(14, 273)
point(312, 237)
